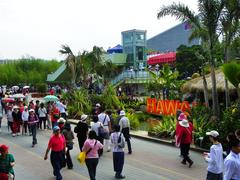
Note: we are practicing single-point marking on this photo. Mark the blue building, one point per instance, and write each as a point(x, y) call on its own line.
point(171, 39)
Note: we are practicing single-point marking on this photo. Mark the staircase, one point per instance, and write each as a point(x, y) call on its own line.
point(52, 77)
point(131, 77)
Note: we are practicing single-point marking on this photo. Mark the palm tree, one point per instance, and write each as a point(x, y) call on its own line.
point(70, 62)
point(230, 27)
point(205, 26)
point(162, 80)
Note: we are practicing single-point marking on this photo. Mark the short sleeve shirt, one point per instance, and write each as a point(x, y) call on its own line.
point(5, 166)
point(56, 143)
point(101, 118)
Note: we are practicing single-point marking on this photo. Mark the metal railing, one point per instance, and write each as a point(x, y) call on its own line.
point(135, 75)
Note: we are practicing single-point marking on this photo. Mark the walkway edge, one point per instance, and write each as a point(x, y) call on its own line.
point(160, 141)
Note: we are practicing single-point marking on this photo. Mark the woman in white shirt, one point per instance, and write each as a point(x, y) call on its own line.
point(118, 144)
point(95, 126)
point(42, 112)
point(25, 115)
point(214, 158)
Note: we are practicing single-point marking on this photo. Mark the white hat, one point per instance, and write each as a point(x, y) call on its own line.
point(122, 113)
point(212, 133)
point(15, 107)
point(184, 123)
point(98, 105)
point(83, 117)
point(61, 120)
point(31, 110)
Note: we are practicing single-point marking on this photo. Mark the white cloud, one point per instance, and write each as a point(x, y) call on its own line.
point(39, 27)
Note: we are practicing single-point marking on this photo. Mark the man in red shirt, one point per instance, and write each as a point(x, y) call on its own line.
point(57, 144)
point(184, 138)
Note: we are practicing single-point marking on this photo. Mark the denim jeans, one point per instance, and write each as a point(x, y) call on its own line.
point(56, 158)
point(33, 129)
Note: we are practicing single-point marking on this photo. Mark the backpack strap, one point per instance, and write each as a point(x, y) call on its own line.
point(91, 148)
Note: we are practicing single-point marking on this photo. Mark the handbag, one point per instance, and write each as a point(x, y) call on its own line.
point(102, 132)
point(82, 155)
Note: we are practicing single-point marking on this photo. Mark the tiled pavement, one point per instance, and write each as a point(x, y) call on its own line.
point(149, 161)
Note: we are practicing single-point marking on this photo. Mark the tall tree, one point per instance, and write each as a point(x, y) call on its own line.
point(230, 28)
point(205, 26)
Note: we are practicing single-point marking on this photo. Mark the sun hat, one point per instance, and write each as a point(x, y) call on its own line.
point(3, 148)
point(56, 128)
point(83, 117)
point(98, 105)
point(122, 113)
point(212, 133)
point(184, 123)
point(61, 120)
point(31, 110)
point(15, 107)
point(182, 116)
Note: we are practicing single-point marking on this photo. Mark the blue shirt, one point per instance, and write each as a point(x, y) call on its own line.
point(215, 159)
point(232, 166)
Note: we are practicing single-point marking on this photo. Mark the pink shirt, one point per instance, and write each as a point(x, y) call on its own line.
point(90, 143)
point(56, 143)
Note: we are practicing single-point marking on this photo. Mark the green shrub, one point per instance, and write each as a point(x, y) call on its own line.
point(41, 87)
point(134, 121)
point(166, 127)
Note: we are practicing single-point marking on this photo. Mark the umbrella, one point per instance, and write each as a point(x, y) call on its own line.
point(17, 96)
point(50, 98)
point(26, 87)
point(15, 87)
point(7, 100)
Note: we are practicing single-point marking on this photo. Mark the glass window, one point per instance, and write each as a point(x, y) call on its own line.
point(127, 37)
point(140, 36)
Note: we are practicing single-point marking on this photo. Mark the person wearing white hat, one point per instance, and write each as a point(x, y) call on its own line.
point(184, 138)
point(33, 122)
point(25, 115)
point(125, 129)
point(81, 130)
point(214, 158)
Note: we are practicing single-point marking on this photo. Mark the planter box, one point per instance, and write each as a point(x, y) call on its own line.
point(38, 95)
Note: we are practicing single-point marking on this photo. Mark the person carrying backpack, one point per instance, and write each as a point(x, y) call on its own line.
point(117, 141)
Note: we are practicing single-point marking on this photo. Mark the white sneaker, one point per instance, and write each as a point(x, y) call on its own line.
point(13, 135)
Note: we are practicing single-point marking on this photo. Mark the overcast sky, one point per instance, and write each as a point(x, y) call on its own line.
point(39, 27)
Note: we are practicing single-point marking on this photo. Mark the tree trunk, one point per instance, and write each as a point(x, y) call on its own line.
point(214, 93)
point(205, 90)
point(227, 96)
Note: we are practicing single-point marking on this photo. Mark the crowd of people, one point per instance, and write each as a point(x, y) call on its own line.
point(221, 166)
point(28, 119)
point(105, 134)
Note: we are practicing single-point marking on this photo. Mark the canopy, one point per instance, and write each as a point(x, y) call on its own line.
point(117, 49)
point(162, 58)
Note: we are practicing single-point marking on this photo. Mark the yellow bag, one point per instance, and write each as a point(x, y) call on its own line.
point(81, 157)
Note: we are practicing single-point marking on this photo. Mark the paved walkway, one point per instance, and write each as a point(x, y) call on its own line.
point(149, 161)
